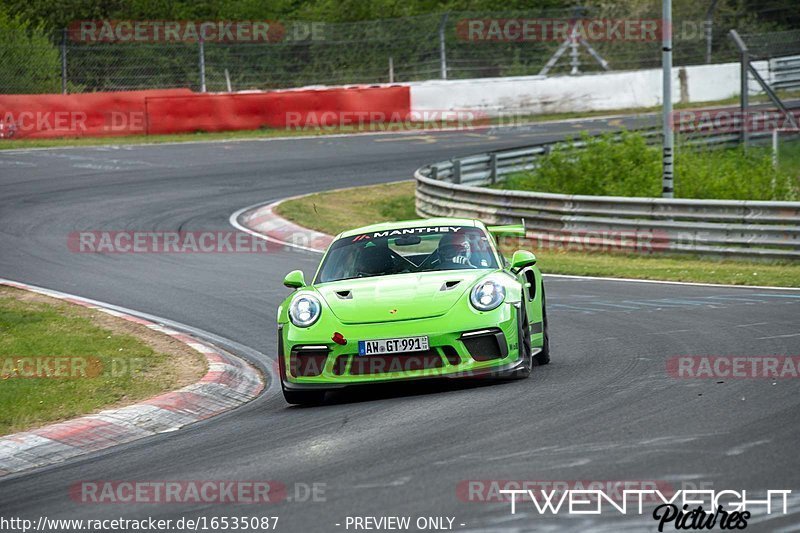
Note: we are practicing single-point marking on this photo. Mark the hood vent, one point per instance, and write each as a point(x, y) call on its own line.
point(447, 285)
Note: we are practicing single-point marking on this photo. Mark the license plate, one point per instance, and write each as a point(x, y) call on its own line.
point(399, 345)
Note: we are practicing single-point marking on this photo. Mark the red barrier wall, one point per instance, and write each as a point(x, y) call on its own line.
point(40, 116)
point(279, 109)
point(182, 111)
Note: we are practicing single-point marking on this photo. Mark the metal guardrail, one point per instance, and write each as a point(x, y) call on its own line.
point(456, 188)
point(785, 72)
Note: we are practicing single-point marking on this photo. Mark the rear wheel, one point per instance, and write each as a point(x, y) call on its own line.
point(543, 357)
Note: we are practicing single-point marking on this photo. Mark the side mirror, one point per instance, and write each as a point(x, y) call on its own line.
point(295, 279)
point(522, 259)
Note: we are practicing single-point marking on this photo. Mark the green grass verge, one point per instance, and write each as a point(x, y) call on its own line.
point(104, 361)
point(332, 212)
point(337, 211)
point(16, 144)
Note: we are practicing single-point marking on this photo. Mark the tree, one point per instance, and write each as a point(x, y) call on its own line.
point(29, 62)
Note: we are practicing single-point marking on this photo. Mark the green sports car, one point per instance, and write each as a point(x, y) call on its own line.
point(429, 298)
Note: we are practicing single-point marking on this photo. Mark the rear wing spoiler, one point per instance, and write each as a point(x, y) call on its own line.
point(511, 229)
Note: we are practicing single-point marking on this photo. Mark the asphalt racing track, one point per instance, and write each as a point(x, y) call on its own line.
point(605, 409)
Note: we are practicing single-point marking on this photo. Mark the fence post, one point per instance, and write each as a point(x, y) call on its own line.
point(743, 101)
point(64, 61)
point(391, 69)
point(228, 80)
point(709, 29)
point(202, 66)
point(456, 171)
point(493, 168)
point(442, 50)
point(668, 145)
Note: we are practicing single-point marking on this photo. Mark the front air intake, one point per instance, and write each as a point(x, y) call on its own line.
point(308, 361)
point(486, 344)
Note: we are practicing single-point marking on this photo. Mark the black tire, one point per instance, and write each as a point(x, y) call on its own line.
point(524, 344)
point(543, 357)
point(303, 397)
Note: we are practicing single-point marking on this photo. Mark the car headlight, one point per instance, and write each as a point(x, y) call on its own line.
point(304, 310)
point(487, 295)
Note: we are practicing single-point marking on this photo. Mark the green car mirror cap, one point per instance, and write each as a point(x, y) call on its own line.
point(295, 279)
point(522, 259)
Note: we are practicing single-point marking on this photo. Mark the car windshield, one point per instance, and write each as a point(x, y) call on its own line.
point(407, 250)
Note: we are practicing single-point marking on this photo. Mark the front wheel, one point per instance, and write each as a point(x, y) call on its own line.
point(523, 345)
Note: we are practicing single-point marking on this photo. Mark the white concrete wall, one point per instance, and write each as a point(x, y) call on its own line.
point(589, 92)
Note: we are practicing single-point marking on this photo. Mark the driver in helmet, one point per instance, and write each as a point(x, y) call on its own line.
point(455, 251)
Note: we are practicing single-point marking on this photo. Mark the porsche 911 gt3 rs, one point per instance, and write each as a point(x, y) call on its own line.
point(397, 301)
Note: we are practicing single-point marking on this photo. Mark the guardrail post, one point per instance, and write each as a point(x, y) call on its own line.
point(493, 168)
point(434, 172)
point(456, 171)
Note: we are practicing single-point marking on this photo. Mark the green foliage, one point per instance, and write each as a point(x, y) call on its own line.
point(57, 15)
point(733, 174)
point(30, 63)
point(628, 167)
point(624, 168)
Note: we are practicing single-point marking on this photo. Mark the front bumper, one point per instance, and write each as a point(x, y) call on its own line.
point(483, 345)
